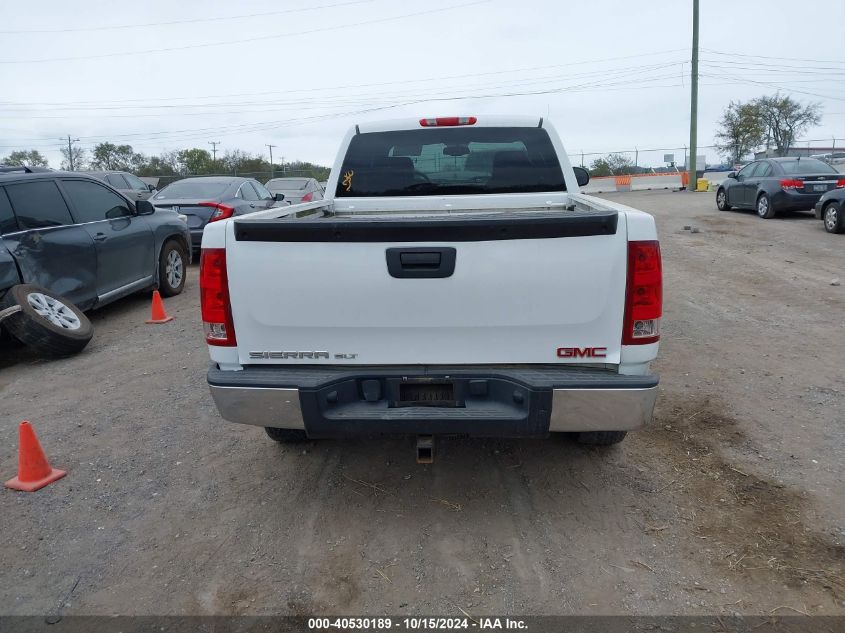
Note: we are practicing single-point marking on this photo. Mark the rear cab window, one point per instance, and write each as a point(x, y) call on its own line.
point(450, 161)
point(38, 204)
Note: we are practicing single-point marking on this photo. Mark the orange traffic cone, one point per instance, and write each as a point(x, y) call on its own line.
point(34, 471)
point(158, 313)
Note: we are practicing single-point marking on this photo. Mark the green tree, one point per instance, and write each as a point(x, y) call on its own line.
point(74, 159)
point(165, 164)
point(612, 165)
point(195, 161)
point(111, 156)
point(741, 129)
point(784, 119)
point(24, 158)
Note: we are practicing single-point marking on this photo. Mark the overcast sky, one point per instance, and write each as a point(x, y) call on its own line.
point(611, 74)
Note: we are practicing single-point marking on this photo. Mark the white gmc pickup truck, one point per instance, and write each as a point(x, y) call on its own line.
point(453, 281)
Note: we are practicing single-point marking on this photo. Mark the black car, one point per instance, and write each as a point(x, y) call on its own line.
point(778, 184)
point(70, 242)
point(830, 209)
point(209, 198)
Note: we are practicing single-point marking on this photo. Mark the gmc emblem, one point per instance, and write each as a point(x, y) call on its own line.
point(581, 352)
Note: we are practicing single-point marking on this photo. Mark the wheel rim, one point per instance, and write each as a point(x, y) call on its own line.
point(173, 269)
point(720, 199)
point(54, 311)
point(831, 215)
point(762, 205)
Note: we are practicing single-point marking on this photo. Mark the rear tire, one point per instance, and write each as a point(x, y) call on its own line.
point(600, 438)
point(722, 200)
point(172, 268)
point(832, 218)
point(47, 323)
point(286, 436)
point(764, 207)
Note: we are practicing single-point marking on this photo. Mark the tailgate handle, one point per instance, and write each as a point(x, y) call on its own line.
point(426, 262)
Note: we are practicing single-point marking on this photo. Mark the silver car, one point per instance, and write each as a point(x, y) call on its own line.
point(296, 190)
point(129, 185)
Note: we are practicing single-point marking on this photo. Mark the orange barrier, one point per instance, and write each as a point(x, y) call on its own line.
point(685, 179)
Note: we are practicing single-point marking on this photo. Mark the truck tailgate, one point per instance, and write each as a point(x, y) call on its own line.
point(483, 289)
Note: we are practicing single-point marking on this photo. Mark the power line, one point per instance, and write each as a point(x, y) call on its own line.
point(174, 22)
point(251, 40)
point(345, 99)
point(365, 85)
point(267, 125)
point(793, 59)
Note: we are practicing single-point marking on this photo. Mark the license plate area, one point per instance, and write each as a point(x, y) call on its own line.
point(426, 393)
point(819, 187)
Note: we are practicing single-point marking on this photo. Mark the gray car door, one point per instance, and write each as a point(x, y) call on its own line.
point(251, 200)
point(138, 188)
point(267, 199)
point(49, 248)
point(739, 192)
point(752, 184)
point(126, 257)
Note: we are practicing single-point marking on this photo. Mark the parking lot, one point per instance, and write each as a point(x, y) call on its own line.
point(731, 501)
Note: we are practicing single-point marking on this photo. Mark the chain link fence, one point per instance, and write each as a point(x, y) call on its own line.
point(675, 159)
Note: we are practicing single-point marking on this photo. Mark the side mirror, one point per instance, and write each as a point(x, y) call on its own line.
point(581, 175)
point(152, 188)
point(278, 197)
point(732, 175)
point(144, 207)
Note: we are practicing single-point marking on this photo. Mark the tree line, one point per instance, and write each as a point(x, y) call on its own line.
point(770, 121)
point(774, 122)
point(180, 163)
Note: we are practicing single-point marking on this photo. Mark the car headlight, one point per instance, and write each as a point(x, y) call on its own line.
point(183, 217)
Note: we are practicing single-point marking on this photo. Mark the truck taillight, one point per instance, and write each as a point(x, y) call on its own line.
point(308, 197)
point(214, 298)
point(643, 294)
point(792, 183)
point(448, 121)
point(221, 211)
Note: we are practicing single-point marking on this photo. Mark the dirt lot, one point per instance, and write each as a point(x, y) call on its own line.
point(730, 502)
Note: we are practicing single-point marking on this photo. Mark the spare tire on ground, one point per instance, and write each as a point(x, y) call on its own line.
point(47, 323)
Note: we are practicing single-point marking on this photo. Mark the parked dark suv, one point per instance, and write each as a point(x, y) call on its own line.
point(78, 237)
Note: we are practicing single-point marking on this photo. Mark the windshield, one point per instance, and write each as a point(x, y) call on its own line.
point(192, 189)
point(806, 166)
point(287, 184)
point(450, 160)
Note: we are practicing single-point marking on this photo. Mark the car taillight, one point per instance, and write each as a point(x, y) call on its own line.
point(214, 298)
point(643, 294)
point(221, 211)
point(308, 197)
point(792, 183)
point(447, 121)
point(840, 183)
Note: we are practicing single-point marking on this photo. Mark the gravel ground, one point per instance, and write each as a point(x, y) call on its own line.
point(730, 502)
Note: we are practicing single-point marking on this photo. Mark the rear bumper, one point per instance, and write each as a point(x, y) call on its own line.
point(490, 402)
point(785, 200)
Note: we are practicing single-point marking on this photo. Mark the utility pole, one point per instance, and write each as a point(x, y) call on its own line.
point(214, 145)
point(70, 142)
point(284, 171)
point(693, 120)
point(271, 158)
